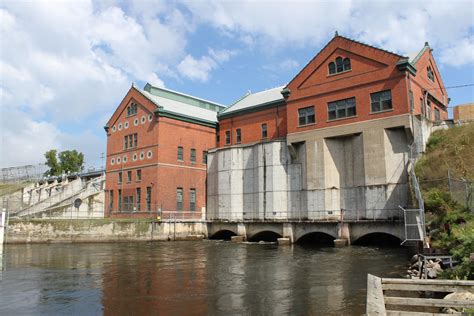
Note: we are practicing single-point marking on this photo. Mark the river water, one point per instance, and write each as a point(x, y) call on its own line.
point(191, 278)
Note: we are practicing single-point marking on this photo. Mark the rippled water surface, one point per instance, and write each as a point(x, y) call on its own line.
point(190, 278)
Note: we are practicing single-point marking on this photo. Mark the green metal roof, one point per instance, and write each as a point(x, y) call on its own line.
point(183, 98)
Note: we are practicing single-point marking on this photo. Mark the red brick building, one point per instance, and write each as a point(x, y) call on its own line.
point(157, 142)
point(346, 82)
point(255, 117)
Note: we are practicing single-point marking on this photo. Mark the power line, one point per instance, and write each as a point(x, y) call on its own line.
point(454, 87)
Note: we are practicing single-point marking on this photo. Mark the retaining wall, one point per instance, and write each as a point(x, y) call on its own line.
point(101, 230)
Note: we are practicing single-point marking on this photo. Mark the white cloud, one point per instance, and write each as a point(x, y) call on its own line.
point(401, 26)
point(68, 62)
point(23, 140)
point(199, 69)
point(460, 54)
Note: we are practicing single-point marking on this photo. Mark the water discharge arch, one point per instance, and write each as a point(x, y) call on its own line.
point(266, 235)
point(224, 234)
point(377, 239)
point(316, 238)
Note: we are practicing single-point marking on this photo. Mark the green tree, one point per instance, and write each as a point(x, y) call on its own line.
point(68, 161)
point(52, 163)
point(71, 161)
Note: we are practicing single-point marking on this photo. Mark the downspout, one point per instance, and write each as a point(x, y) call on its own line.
point(276, 121)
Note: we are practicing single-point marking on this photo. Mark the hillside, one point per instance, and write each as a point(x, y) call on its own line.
point(446, 173)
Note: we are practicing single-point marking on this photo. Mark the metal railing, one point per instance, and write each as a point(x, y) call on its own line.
point(339, 215)
point(152, 211)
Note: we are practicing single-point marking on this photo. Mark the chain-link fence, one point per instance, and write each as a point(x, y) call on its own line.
point(23, 173)
point(461, 190)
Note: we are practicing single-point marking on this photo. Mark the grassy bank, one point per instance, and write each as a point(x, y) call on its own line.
point(449, 159)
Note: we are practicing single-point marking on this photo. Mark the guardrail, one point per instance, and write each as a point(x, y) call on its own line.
point(341, 215)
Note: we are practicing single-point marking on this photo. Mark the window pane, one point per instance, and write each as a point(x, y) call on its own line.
point(311, 119)
point(302, 120)
point(332, 115)
point(387, 104)
point(227, 137)
point(332, 68)
point(339, 64)
point(351, 111)
point(347, 64)
point(375, 106)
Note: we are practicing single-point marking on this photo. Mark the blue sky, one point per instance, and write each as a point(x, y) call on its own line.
point(66, 65)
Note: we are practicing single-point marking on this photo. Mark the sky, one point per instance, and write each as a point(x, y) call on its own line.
point(66, 65)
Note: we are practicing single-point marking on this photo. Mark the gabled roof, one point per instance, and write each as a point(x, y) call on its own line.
point(413, 57)
point(181, 106)
point(402, 58)
point(254, 101)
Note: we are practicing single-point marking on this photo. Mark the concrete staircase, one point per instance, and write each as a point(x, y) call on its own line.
point(56, 200)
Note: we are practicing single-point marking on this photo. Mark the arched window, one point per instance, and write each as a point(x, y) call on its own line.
point(347, 64)
point(339, 65)
point(332, 68)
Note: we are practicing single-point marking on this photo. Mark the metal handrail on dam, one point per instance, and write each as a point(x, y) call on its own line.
point(341, 215)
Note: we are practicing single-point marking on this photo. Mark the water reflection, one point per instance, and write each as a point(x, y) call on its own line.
point(190, 278)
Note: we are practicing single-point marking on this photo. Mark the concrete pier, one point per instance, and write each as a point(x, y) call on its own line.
point(284, 241)
point(237, 238)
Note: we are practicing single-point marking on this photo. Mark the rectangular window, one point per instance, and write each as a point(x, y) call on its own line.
point(139, 175)
point(111, 201)
point(227, 137)
point(120, 177)
point(148, 199)
point(437, 114)
point(264, 130)
point(179, 199)
point(180, 153)
point(120, 200)
point(130, 141)
point(129, 204)
point(139, 198)
point(204, 157)
point(192, 200)
point(381, 101)
point(129, 176)
point(193, 155)
point(341, 109)
point(412, 102)
point(422, 105)
point(306, 116)
point(238, 136)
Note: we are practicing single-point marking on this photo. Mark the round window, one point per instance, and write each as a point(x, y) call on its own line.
point(118, 160)
point(114, 128)
point(143, 119)
point(112, 161)
point(125, 125)
point(120, 126)
point(124, 159)
point(150, 117)
point(148, 154)
point(135, 122)
point(142, 155)
point(134, 157)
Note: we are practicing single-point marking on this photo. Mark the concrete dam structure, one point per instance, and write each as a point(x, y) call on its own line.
point(360, 169)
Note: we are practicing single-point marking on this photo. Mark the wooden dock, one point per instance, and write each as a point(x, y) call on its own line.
point(386, 296)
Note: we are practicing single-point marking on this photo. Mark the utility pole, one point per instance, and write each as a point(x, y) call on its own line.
point(102, 156)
